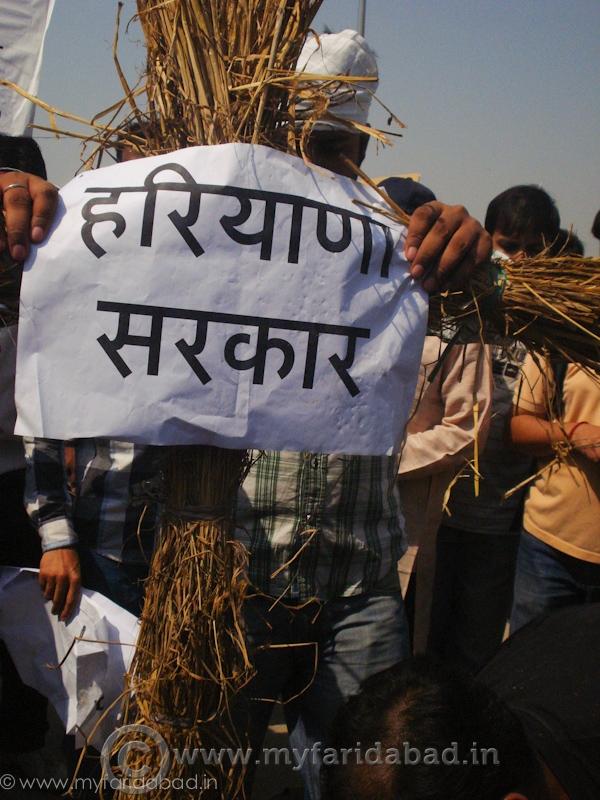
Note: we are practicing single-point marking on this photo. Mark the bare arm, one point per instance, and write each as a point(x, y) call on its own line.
point(539, 437)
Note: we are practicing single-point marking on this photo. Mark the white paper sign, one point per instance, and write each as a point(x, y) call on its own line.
point(23, 26)
point(94, 650)
point(225, 295)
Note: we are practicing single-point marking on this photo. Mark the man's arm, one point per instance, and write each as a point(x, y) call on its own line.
point(464, 378)
point(48, 504)
point(29, 208)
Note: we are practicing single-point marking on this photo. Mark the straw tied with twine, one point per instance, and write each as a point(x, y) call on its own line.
point(221, 71)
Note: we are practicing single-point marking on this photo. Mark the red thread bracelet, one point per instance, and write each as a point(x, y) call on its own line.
point(574, 428)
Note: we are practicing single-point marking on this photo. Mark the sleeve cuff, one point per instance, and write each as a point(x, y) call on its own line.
point(57, 533)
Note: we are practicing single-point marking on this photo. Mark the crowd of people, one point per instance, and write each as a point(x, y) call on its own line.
point(357, 562)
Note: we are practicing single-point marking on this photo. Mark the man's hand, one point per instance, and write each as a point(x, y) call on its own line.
point(29, 209)
point(444, 245)
point(60, 579)
point(586, 440)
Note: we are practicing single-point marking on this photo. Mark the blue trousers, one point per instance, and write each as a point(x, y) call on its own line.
point(312, 658)
point(547, 579)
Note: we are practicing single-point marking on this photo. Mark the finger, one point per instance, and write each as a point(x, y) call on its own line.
point(460, 277)
point(49, 588)
point(72, 598)
point(60, 592)
point(17, 205)
point(45, 199)
point(419, 226)
point(592, 453)
point(484, 249)
point(457, 259)
point(435, 243)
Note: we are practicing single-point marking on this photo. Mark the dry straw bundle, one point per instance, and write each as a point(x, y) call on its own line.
point(191, 659)
point(220, 71)
point(551, 304)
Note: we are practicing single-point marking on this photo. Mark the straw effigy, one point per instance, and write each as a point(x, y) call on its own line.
point(217, 72)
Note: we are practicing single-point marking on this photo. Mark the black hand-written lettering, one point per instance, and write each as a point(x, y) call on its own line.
point(231, 223)
point(123, 337)
point(108, 216)
point(264, 237)
point(257, 361)
point(327, 243)
point(190, 351)
point(182, 223)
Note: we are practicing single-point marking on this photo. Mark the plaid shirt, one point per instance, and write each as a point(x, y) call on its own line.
point(104, 500)
point(321, 526)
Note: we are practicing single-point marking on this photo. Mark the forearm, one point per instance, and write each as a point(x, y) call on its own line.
point(455, 420)
point(537, 436)
point(437, 450)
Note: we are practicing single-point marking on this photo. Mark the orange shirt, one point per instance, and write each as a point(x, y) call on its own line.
point(563, 506)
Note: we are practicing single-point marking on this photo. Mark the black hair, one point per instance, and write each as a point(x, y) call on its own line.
point(133, 127)
point(364, 143)
point(596, 226)
point(22, 152)
point(523, 209)
point(435, 734)
point(567, 243)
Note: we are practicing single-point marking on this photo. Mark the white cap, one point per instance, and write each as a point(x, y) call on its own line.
point(343, 53)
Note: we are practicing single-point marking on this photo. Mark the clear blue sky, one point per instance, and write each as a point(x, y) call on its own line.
point(494, 92)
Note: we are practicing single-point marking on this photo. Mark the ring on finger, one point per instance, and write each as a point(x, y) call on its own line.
point(14, 186)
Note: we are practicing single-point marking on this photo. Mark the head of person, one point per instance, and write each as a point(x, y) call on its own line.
point(407, 193)
point(333, 138)
point(419, 732)
point(567, 243)
point(522, 221)
point(23, 153)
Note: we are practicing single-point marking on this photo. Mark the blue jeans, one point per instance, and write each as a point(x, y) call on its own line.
point(547, 579)
point(313, 658)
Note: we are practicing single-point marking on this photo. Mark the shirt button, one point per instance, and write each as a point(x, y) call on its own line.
point(315, 463)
